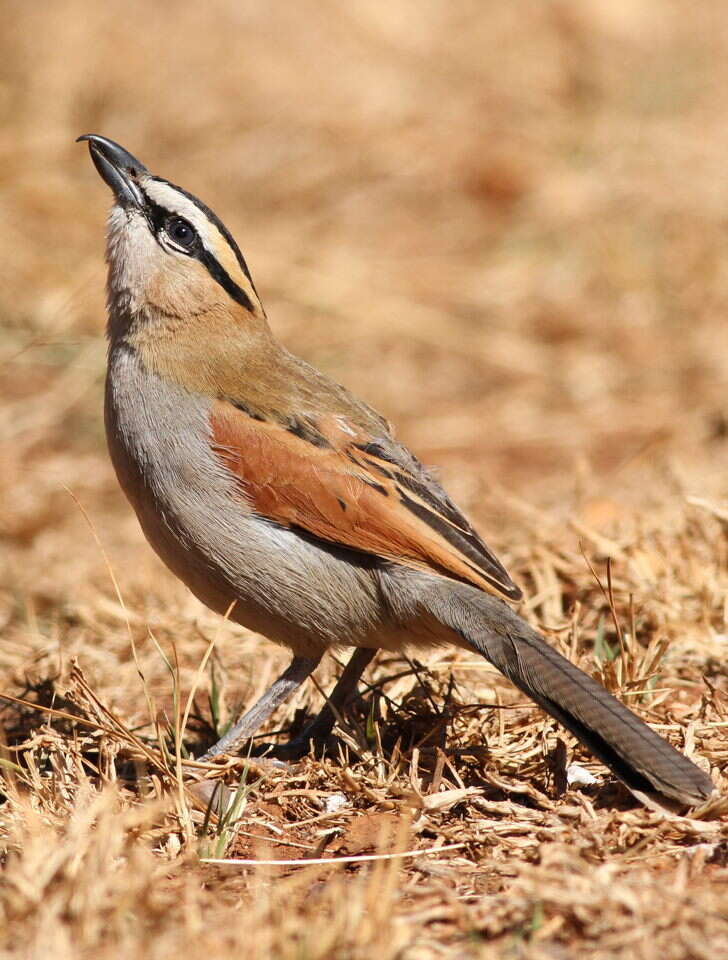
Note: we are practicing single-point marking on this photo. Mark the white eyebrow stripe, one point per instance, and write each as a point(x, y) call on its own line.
point(176, 202)
point(214, 242)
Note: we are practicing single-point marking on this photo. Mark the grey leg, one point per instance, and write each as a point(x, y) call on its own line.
point(322, 725)
point(299, 669)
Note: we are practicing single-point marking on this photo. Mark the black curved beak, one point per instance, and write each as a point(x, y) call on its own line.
point(118, 168)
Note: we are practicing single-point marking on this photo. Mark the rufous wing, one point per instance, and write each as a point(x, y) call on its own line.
point(325, 476)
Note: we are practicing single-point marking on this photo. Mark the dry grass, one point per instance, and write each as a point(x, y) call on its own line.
point(504, 225)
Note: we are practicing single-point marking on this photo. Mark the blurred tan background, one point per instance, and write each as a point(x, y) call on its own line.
point(504, 224)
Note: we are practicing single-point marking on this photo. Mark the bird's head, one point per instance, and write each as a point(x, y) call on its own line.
point(170, 257)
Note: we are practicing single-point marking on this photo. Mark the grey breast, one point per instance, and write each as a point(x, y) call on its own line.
point(292, 588)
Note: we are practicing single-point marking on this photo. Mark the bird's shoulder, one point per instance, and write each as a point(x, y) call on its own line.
point(315, 456)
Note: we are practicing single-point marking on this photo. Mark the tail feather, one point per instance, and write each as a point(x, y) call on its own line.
point(642, 759)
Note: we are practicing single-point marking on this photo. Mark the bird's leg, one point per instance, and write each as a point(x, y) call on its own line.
point(322, 725)
point(299, 669)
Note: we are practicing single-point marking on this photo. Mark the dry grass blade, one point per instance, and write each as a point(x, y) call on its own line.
point(331, 861)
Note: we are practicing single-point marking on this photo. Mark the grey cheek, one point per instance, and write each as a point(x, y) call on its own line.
point(132, 252)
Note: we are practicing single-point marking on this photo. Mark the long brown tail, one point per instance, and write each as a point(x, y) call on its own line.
point(636, 754)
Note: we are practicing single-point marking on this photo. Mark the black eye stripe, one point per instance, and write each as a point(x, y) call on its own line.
point(220, 274)
point(213, 218)
point(157, 216)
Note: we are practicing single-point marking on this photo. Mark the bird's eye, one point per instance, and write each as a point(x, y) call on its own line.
point(180, 232)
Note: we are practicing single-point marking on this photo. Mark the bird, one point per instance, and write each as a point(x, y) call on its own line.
point(284, 501)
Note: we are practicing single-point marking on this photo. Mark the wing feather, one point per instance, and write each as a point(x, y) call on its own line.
point(328, 478)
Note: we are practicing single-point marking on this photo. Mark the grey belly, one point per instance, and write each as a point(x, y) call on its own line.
point(293, 589)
